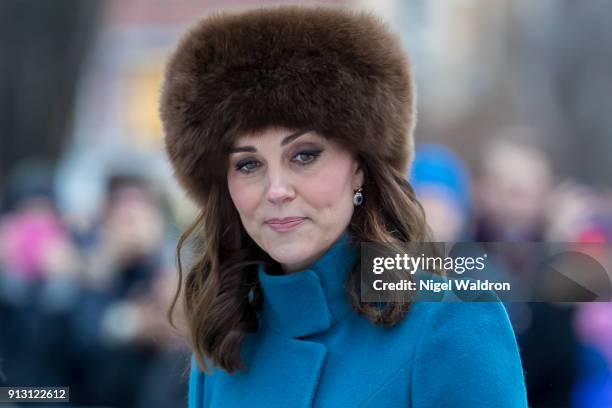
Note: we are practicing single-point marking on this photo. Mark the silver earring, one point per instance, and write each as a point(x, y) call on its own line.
point(358, 198)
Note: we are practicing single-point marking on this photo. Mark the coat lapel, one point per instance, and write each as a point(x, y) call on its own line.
point(281, 372)
point(283, 367)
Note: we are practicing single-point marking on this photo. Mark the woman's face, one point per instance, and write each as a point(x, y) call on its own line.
point(293, 191)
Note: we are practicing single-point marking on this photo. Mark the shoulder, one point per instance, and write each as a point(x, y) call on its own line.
point(452, 315)
point(467, 352)
point(452, 310)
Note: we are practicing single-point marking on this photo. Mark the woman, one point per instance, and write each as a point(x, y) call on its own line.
point(292, 128)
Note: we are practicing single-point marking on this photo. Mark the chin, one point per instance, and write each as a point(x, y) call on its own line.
point(289, 252)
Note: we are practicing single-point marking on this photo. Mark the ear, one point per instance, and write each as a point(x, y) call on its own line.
point(357, 175)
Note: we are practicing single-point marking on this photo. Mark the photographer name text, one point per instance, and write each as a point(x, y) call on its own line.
point(435, 286)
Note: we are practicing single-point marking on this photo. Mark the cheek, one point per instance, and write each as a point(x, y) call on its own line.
point(245, 196)
point(330, 190)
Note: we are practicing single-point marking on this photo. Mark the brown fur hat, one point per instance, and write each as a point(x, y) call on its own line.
point(340, 73)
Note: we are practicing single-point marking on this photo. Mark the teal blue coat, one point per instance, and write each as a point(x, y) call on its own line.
point(312, 349)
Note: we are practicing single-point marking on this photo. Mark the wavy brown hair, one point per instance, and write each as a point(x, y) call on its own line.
point(222, 293)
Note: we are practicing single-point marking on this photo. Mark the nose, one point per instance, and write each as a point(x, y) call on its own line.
point(280, 188)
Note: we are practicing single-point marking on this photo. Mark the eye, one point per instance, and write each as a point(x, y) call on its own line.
point(306, 156)
point(247, 166)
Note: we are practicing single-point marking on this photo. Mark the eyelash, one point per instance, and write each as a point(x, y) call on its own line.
point(313, 153)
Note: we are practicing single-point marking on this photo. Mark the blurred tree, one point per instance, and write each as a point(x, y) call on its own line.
point(42, 44)
point(560, 60)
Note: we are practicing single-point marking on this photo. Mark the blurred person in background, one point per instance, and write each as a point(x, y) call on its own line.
point(35, 241)
point(442, 183)
point(583, 215)
point(129, 237)
point(39, 267)
point(513, 196)
point(512, 192)
point(122, 262)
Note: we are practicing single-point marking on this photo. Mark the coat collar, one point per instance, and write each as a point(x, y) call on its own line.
point(309, 301)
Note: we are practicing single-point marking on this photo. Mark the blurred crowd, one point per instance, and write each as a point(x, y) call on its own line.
point(83, 304)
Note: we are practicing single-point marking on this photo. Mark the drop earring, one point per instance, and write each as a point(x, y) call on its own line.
point(358, 198)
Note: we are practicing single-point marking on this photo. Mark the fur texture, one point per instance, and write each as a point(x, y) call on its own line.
point(340, 73)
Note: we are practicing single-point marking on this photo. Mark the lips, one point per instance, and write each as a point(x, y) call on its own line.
point(283, 220)
point(284, 224)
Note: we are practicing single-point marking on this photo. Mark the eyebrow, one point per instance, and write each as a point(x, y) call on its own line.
point(286, 140)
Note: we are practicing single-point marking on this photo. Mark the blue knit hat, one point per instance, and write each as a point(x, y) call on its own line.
point(438, 166)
